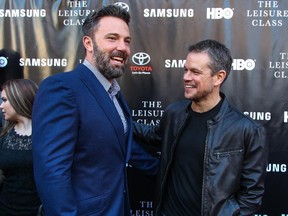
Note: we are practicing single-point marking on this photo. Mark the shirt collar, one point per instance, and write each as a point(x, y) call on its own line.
point(115, 88)
point(104, 82)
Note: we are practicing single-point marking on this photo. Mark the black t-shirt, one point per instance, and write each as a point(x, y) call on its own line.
point(183, 193)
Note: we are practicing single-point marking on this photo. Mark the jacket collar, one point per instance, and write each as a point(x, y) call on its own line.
point(220, 114)
point(103, 99)
point(222, 111)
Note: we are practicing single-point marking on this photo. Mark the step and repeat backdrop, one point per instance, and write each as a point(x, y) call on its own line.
point(43, 37)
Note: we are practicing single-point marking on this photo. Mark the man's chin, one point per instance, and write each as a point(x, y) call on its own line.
point(118, 75)
point(190, 97)
point(114, 74)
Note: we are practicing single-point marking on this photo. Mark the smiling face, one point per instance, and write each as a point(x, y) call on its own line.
point(111, 47)
point(199, 84)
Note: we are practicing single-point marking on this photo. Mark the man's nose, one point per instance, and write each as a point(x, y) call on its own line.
point(123, 46)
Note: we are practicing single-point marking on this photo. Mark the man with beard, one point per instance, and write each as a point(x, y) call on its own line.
point(214, 158)
point(82, 127)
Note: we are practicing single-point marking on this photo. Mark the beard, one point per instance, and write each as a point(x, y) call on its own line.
point(102, 62)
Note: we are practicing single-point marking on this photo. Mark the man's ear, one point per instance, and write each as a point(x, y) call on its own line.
point(220, 77)
point(88, 44)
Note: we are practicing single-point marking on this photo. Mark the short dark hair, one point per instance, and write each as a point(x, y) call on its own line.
point(90, 24)
point(219, 54)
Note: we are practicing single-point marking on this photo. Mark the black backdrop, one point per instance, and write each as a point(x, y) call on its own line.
point(43, 37)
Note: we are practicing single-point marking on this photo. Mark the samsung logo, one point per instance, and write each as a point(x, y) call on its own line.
point(280, 168)
point(168, 12)
point(23, 13)
point(37, 62)
point(262, 116)
point(174, 63)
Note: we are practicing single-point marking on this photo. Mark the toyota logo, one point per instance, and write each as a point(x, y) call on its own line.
point(141, 58)
point(3, 61)
point(122, 5)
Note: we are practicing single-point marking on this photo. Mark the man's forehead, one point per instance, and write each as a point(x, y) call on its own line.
point(113, 25)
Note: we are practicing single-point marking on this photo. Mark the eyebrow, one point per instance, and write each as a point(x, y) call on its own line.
point(118, 35)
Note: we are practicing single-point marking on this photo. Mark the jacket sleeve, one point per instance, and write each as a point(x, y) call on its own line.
point(249, 196)
point(54, 137)
point(140, 158)
point(143, 160)
point(146, 134)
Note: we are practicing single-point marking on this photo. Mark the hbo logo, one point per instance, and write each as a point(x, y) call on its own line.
point(219, 13)
point(241, 64)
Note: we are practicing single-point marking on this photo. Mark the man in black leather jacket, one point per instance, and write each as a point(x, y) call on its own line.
point(213, 157)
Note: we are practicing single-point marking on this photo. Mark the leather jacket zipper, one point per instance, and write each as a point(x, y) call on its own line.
point(227, 153)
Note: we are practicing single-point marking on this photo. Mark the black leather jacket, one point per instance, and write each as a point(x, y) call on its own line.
point(235, 159)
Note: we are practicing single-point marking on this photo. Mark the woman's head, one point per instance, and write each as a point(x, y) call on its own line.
point(17, 100)
point(21, 93)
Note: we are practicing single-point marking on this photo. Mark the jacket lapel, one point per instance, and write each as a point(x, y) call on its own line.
point(105, 102)
point(128, 115)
